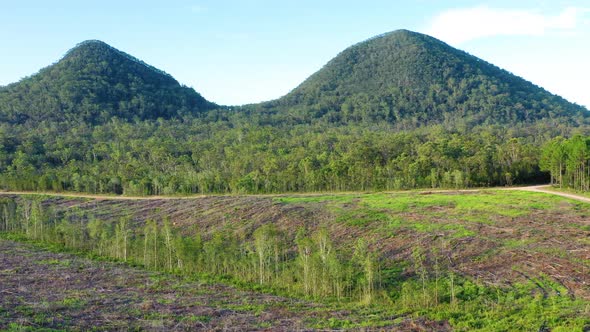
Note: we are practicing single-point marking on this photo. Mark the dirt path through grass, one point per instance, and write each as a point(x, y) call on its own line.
point(543, 189)
point(99, 197)
point(536, 188)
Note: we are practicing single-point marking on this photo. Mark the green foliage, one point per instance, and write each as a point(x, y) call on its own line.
point(411, 79)
point(317, 270)
point(168, 157)
point(92, 84)
point(399, 111)
point(568, 161)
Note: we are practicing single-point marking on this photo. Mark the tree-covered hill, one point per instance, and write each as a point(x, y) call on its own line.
point(94, 82)
point(401, 110)
point(414, 79)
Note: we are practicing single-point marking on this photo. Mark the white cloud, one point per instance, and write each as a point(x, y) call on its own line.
point(457, 26)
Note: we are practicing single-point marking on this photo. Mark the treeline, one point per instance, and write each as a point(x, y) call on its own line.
point(568, 162)
point(230, 156)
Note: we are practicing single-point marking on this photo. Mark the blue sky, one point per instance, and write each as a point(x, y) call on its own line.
point(237, 52)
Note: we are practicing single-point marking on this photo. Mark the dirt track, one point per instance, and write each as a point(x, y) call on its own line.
point(536, 188)
point(541, 189)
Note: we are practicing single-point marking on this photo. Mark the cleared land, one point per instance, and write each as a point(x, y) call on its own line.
point(43, 289)
point(496, 238)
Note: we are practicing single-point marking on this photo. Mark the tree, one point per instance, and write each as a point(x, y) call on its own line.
point(266, 245)
point(150, 244)
point(553, 159)
point(366, 266)
point(420, 269)
point(305, 250)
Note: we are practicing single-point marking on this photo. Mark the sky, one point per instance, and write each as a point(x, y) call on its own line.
point(238, 52)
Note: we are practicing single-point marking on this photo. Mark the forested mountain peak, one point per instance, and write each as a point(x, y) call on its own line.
point(93, 83)
point(98, 50)
point(405, 76)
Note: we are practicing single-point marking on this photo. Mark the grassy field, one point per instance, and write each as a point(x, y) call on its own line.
point(481, 260)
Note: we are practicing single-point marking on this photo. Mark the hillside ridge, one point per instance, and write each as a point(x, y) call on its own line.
point(403, 74)
point(93, 83)
point(87, 45)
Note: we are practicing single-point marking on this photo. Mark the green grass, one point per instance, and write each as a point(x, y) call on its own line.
point(517, 243)
point(505, 203)
point(72, 302)
point(257, 309)
point(362, 216)
point(489, 202)
point(429, 212)
point(198, 318)
point(16, 327)
point(341, 198)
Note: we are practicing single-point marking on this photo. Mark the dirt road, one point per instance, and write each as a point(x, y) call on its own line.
point(99, 197)
point(537, 188)
point(547, 190)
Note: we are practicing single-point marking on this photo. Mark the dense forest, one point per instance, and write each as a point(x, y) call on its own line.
point(401, 110)
point(169, 157)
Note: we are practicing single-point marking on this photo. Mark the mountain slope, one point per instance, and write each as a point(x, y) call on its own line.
point(93, 83)
point(403, 74)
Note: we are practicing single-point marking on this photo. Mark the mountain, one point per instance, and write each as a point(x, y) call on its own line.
point(94, 82)
point(401, 110)
point(402, 78)
point(402, 74)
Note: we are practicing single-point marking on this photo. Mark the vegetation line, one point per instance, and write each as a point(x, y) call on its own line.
point(98, 197)
point(535, 188)
point(121, 197)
